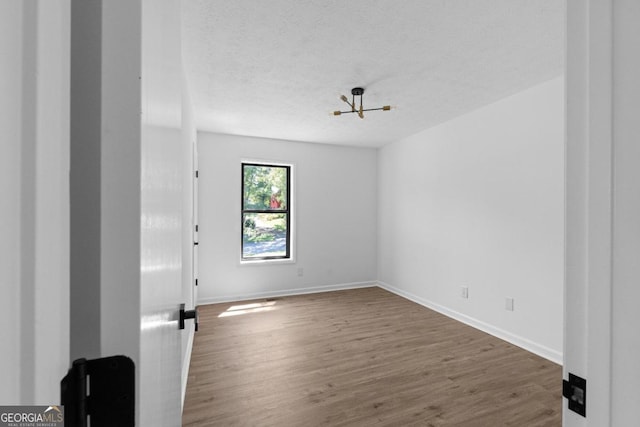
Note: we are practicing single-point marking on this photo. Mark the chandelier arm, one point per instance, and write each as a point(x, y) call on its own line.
point(344, 98)
point(353, 108)
point(376, 109)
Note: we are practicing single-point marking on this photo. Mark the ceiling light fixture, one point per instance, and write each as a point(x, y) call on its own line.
point(358, 91)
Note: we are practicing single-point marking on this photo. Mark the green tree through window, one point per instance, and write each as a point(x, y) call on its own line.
point(266, 219)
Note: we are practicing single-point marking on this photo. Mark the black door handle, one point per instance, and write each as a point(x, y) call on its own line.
point(188, 314)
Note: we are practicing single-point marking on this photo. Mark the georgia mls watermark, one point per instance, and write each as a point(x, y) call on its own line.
point(31, 416)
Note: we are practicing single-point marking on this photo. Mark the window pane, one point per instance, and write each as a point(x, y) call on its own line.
point(264, 235)
point(265, 187)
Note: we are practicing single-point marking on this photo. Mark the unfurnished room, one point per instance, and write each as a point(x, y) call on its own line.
point(451, 199)
point(305, 213)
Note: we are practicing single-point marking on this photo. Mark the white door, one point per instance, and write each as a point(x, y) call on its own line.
point(126, 99)
point(161, 276)
point(164, 153)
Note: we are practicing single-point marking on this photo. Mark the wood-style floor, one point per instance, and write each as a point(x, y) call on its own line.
point(361, 357)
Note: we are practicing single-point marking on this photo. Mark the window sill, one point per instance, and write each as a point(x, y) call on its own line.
point(264, 262)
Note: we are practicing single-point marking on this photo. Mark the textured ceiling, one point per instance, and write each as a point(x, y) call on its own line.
point(276, 68)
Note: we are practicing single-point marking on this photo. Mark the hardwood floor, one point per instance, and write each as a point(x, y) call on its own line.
point(360, 357)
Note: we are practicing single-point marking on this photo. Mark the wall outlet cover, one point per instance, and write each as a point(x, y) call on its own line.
point(508, 304)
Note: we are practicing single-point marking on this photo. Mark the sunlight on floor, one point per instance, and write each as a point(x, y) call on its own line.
point(257, 307)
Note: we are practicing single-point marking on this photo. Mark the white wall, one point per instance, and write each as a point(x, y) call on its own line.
point(34, 210)
point(478, 202)
point(335, 215)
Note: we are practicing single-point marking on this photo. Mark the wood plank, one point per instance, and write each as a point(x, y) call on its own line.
point(359, 358)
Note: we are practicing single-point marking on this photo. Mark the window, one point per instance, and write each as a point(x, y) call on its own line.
point(266, 214)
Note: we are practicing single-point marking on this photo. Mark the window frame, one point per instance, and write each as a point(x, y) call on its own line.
point(288, 257)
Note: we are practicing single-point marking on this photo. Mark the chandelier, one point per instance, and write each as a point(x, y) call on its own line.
point(358, 91)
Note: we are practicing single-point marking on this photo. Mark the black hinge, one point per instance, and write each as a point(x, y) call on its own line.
point(188, 314)
point(196, 282)
point(575, 390)
point(196, 228)
point(197, 174)
point(111, 398)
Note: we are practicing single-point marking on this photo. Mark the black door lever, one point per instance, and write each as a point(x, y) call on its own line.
point(188, 314)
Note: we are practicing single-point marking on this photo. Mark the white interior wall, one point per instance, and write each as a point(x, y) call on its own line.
point(478, 202)
point(335, 218)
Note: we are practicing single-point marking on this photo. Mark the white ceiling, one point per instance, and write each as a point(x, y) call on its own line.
point(276, 68)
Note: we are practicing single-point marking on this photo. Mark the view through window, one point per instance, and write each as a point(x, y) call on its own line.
point(266, 218)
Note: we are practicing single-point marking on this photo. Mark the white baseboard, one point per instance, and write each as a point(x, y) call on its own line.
point(286, 292)
point(524, 343)
point(185, 366)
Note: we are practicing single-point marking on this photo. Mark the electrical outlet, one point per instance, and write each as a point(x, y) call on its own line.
point(464, 292)
point(508, 304)
point(300, 272)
